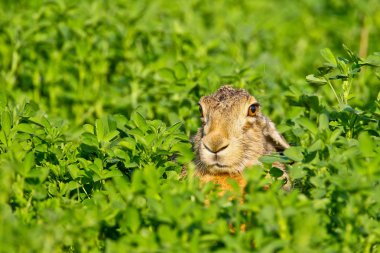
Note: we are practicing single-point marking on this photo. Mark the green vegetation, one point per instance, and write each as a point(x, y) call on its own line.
point(98, 100)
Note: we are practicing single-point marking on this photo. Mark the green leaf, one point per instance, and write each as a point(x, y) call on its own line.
point(308, 124)
point(111, 136)
point(3, 100)
point(6, 122)
point(275, 172)
point(27, 164)
point(90, 139)
point(351, 55)
point(318, 182)
point(89, 128)
point(132, 219)
point(112, 173)
point(139, 121)
point(97, 168)
point(174, 128)
point(128, 143)
point(25, 128)
point(269, 159)
point(372, 61)
point(294, 153)
point(167, 75)
point(323, 70)
point(45, 123)
point(72, 185)
point(317, 145)
point(29, 110)
point(41, 148)
point(323, 121)
point(343, 66)
point(328, 56)
point(74, 171)
point(340, 76)
point(151, 176)
point(297, 172)
point(40, 173)
point(99, 163)
point(318, 81)
point(335, 134)
point(130, 165)
point(180, 71)
point(99, 129)
point(3, 138)
point(366, 144)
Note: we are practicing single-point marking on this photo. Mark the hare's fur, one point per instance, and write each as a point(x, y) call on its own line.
point(230, 140)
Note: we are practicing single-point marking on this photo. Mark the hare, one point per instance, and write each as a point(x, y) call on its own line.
point(233, 136)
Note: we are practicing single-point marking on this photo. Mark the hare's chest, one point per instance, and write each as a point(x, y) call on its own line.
point(224, 181)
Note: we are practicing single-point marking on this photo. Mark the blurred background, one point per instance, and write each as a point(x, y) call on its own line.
point(79, 60)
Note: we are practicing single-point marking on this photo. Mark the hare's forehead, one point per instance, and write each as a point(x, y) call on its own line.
point(231, 104)
point(225, 107)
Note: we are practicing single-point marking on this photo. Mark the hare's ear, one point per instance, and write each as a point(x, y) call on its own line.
point(274, 138)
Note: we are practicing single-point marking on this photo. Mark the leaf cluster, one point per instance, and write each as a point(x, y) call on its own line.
point(98, 101)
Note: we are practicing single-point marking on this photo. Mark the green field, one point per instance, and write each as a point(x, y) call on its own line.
point(98, 100)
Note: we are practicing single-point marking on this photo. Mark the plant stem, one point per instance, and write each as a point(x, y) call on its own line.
point(336, 96)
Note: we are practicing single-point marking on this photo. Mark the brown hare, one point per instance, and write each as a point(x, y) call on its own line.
point(233, 135)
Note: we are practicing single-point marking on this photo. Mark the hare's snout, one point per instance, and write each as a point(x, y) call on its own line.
point(215, 143)
point(217, 152)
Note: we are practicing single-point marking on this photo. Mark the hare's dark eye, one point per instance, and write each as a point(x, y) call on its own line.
point(252, 110)
point(200, 110)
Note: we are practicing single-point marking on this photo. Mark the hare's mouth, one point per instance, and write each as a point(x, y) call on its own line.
point(220, 165)
point(219, 168)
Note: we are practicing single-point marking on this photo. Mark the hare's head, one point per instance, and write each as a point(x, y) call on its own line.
point(234, 132)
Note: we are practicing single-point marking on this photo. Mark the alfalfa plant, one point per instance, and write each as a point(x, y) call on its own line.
point(341, 71)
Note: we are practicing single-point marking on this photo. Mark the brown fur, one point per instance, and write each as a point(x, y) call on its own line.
point(229, 140)
point(223, 180)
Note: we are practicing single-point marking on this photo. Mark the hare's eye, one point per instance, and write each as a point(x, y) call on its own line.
point(252, 110)
point(200, 110)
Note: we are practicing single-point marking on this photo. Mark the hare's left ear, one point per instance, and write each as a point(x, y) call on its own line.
point(273, 136)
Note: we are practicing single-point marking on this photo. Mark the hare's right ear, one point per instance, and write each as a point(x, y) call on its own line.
point(273, 136)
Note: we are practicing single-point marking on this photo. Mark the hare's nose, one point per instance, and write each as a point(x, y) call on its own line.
point(215, 146)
